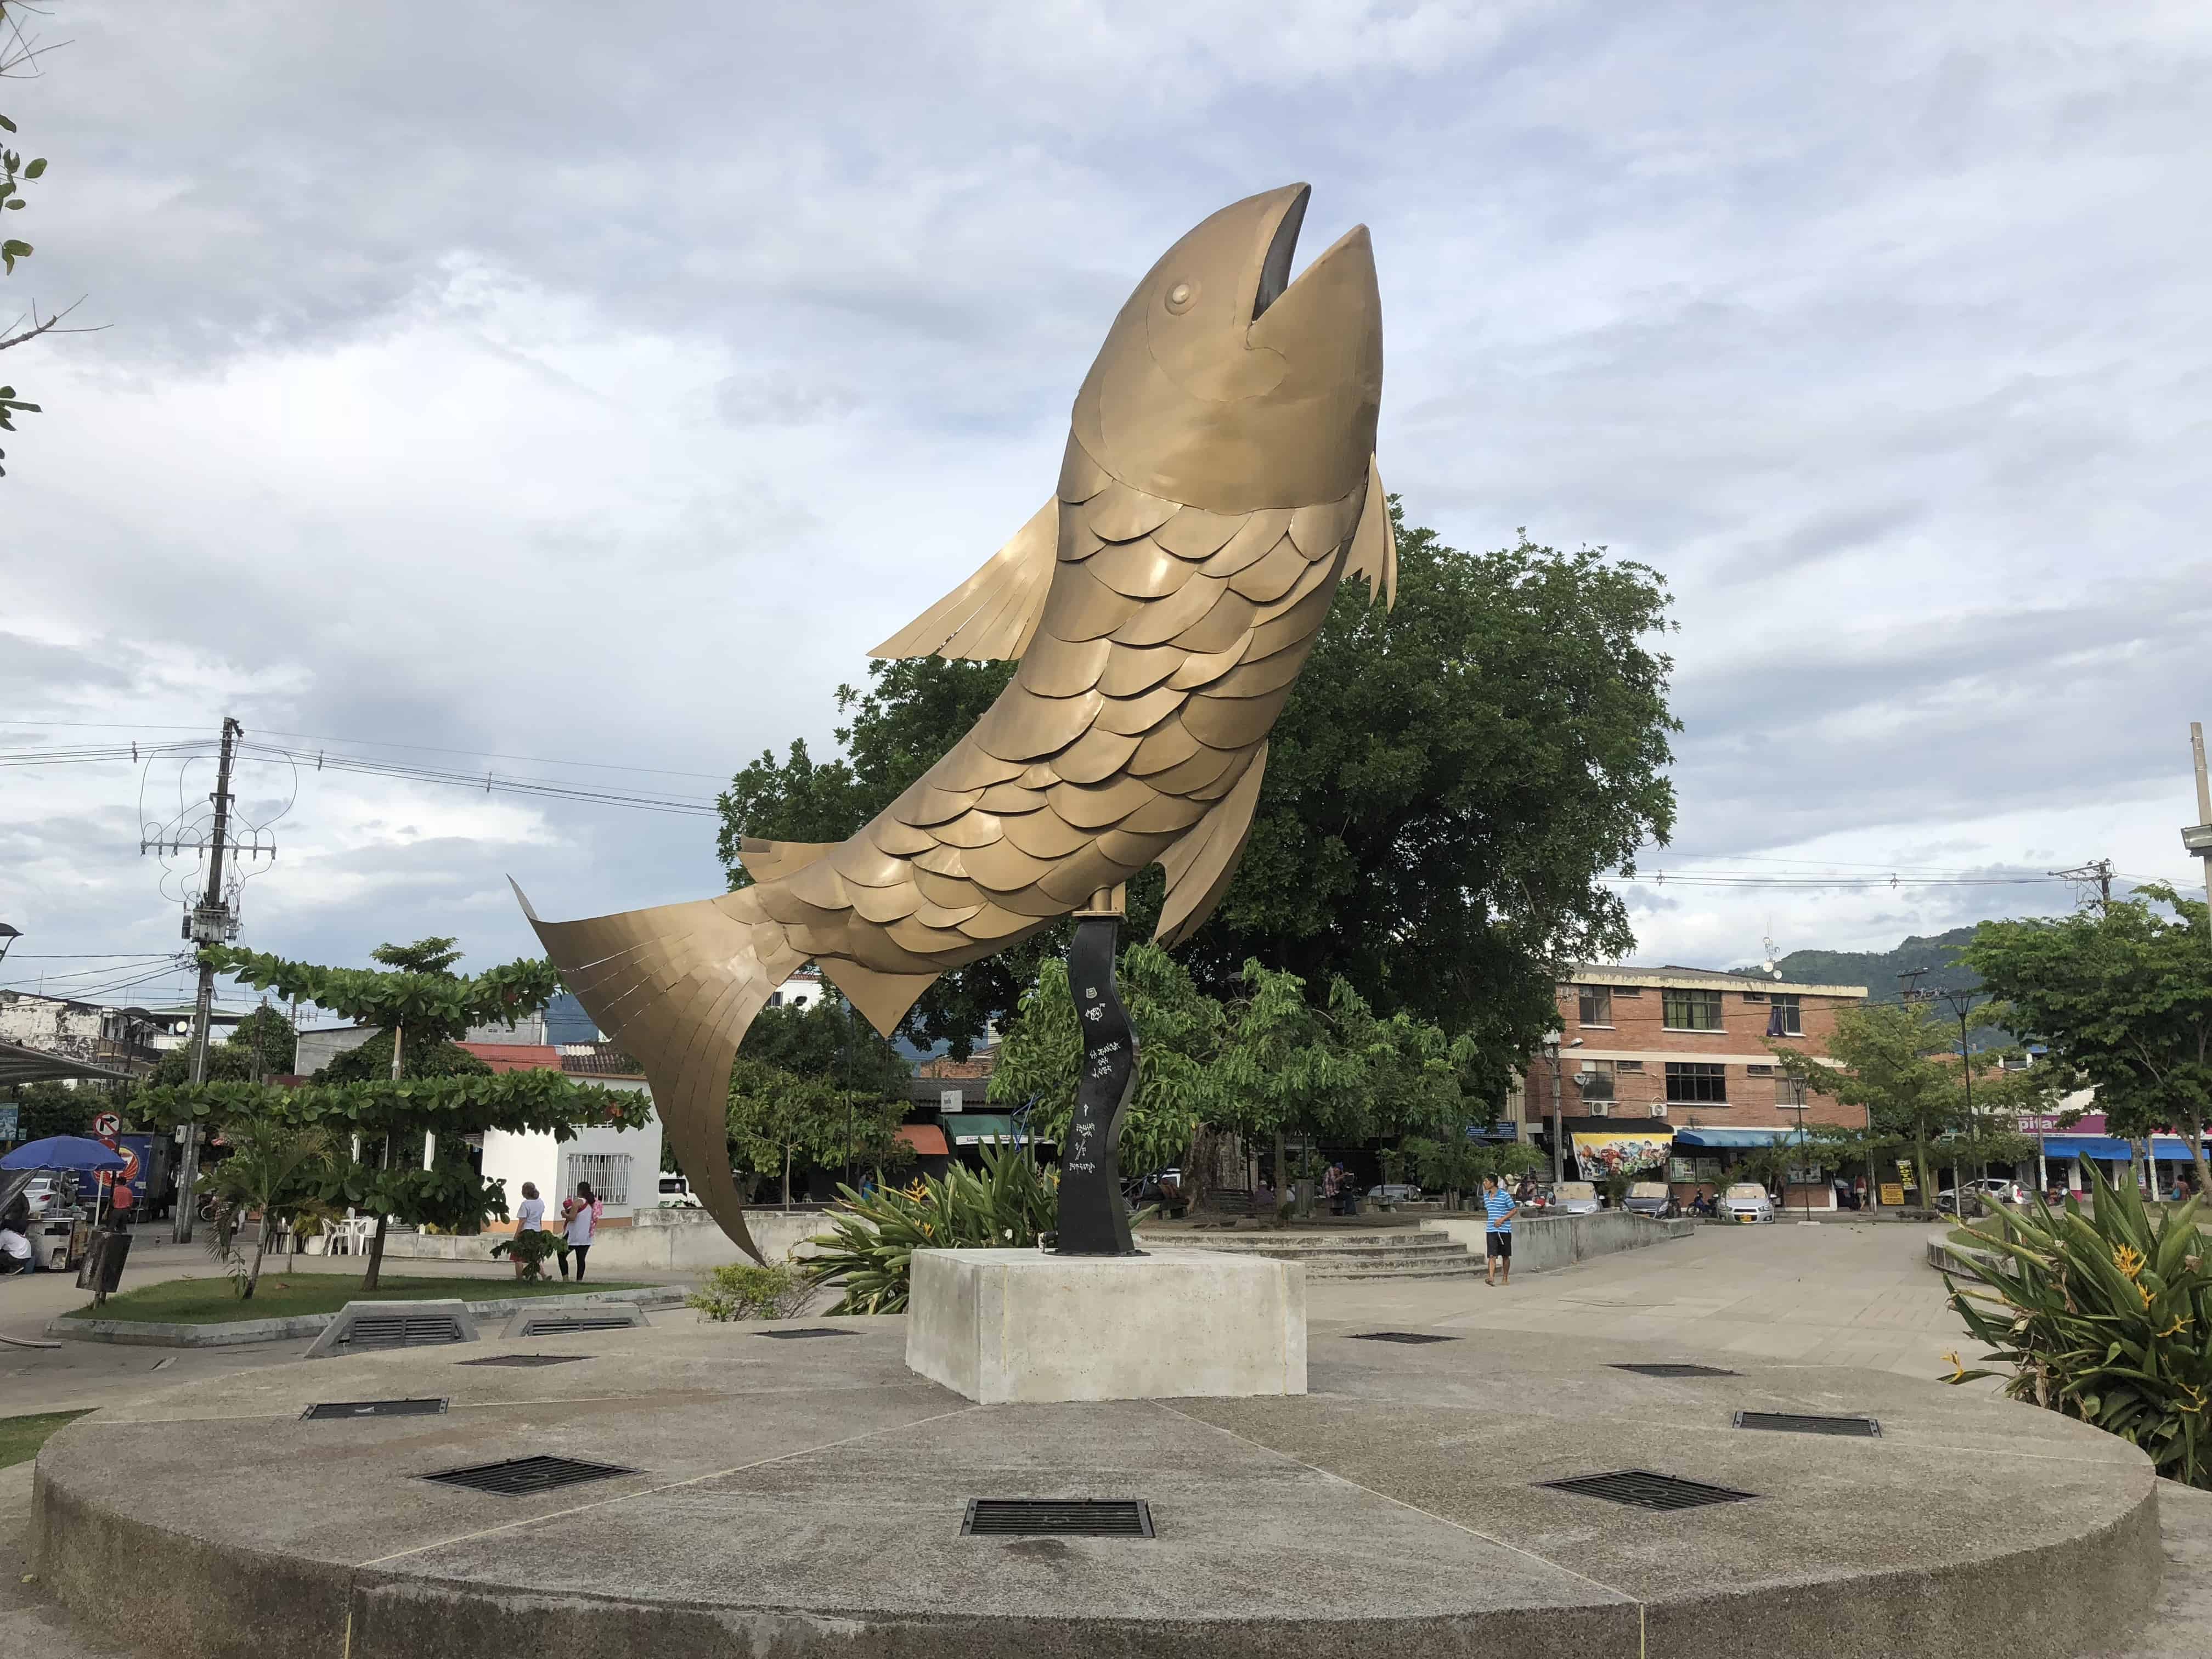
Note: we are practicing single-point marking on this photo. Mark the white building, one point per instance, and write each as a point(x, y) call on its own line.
point(623, 1165)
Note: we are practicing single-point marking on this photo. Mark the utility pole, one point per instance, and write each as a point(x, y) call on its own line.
point(209, 925)
point(2198, 838)
point(2099, 871)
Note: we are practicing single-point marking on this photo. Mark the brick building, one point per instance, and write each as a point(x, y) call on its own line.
point(1680, 1059)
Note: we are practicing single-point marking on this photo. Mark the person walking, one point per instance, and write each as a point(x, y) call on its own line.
point(529, 1217)
point(1497, 1234)
point(579, 1220)
point(1332, 1185)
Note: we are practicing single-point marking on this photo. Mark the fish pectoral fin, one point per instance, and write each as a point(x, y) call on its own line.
point(765, 860)
point(1374, 544)
point(1202, 862)
point(990, 615)
point(884, 998)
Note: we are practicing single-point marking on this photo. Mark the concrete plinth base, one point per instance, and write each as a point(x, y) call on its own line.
point(1004, 1325)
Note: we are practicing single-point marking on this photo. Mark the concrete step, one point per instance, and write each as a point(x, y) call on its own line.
point(1430, 1245)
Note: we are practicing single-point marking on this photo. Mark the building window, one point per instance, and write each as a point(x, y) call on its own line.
point(1754, 996)
point(1597, 1005)
point(608, 1172)
point(1691, 1083)
point(1690, 1011)
point(1625, 1066)
point(1759, 1071)
point(1789, 1013)
point(1787, 1091)
point(1596, 1079)
point(1627, 990)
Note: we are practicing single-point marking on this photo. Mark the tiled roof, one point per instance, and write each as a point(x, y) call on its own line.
point(516, 1057)
point(599, 1060)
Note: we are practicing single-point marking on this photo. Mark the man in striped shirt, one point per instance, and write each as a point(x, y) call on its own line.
point(1497, 1236)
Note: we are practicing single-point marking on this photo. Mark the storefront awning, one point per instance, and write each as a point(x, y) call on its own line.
point(926, 1140)
point(1716, 1139)
point(2110, 1149)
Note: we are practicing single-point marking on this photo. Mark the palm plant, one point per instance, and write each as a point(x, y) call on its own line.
point(274, 1169)
point(2105, 1317)
point(868, 1253)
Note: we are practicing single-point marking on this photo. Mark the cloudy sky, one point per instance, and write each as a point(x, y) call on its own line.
point(554, 390)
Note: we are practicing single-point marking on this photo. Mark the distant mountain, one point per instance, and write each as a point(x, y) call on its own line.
point(1878, 970)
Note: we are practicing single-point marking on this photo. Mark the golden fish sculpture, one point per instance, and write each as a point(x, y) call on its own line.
point(1219, 479)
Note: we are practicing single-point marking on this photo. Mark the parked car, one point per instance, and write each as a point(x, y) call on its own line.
point(1989, 1189)
point(1572, 1198)
point(1649, 1197)
point(1746, 1201)
point(676, 1194)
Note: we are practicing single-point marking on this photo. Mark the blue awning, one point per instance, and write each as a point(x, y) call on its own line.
point(1719, 1138)
point(2110, 1149)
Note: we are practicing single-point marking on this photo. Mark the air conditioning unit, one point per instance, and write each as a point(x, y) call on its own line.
point(1658, 1109)
point(1598, 1108)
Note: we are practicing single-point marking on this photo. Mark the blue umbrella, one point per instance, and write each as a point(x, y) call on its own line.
point(63, 1153)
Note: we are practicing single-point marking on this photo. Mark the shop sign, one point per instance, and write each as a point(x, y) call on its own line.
point(1892, 1193)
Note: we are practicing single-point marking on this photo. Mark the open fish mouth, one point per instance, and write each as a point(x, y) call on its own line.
point(1276, 269)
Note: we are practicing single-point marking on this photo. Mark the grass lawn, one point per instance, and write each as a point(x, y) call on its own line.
point(21, 1437)
point(212, 1301)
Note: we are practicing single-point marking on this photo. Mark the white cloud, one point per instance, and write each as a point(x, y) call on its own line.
point(520, 381)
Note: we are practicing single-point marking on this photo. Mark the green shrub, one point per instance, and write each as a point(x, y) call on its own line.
point(742, 1291)
point(2107, 1317)
point(529, 1246)
point(868, 1252)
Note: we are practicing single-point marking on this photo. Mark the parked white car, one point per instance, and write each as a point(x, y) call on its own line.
point(676, 1194)
point(1573, 1198)
point(1746, 1201)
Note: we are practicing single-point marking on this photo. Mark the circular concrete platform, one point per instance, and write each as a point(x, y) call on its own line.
point(803, 1496)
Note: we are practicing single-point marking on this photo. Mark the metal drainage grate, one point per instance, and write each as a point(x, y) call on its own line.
point(1677, 1370)
point(1863, 1428)
point(810, 1330)
point(527, 1359)
point(1646, 1491)
point(519, 1477)
point(570, 1324)
point(1401, 1336)
point(401, 1331)
point(1057, 1517)
point(330, 1408)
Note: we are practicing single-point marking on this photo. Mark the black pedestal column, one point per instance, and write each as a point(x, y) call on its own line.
point(1093, 1220)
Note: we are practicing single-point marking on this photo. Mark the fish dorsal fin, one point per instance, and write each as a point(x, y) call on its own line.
point(1203, 862)
point(990, 615)
point(883, 997)
point(765, 860)
point(1374, 544)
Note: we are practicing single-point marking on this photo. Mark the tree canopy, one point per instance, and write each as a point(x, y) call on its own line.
point(2123, 994)
point(1444, 788)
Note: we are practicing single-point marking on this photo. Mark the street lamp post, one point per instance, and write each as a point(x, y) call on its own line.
point(8, 937)
point(1551, 1054)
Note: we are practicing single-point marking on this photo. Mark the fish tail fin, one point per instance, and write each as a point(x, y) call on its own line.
point(678, 986)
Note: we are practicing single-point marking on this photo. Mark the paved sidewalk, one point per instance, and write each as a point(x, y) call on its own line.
point(1827, 1295)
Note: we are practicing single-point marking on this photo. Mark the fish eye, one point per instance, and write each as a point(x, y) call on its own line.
point(1181, 296)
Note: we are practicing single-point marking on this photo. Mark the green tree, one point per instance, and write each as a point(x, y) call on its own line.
point(54, 1108)
point(826, 1039)
point(779, 1120)
point(260, 1046)
point(1178, 1029)
point(1881, 1062)
point(1445, 789)
point(2124, 995)
point(420, 1005)
point(275, 1169)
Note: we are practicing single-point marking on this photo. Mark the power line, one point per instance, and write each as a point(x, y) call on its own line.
point(383, 743)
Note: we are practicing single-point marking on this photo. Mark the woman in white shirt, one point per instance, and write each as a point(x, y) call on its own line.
point(581, 1217)
point(529, 1216)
